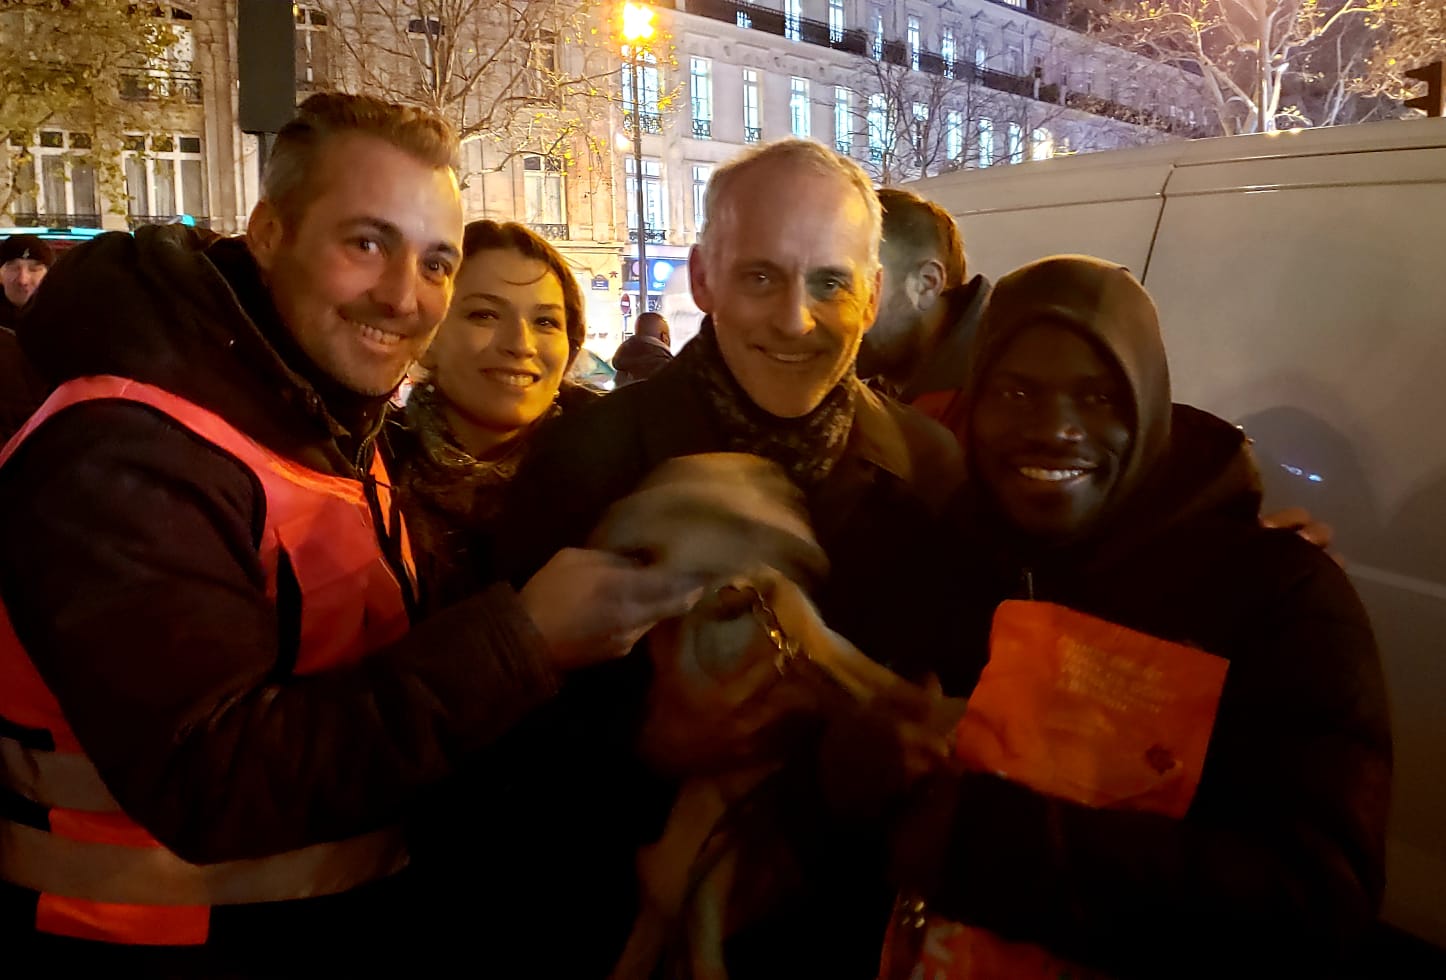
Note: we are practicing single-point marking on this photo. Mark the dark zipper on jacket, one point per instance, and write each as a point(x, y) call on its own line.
point(389, 534)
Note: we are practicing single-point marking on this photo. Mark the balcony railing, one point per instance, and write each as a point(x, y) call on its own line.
point(652, 122)
point(757, 18)
point(552, 232)
point(702, 129)
point(930, 62)
point(844, 147)
point(159, 86)
point(52, 219)
point(655, 236)
point(752, 134)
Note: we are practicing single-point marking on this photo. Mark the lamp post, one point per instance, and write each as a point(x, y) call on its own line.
point(638, 27)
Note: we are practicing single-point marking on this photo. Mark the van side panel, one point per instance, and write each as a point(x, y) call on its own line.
point(1118, 230)
point(1305, 300)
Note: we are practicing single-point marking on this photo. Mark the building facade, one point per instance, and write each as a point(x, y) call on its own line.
point(907, 89)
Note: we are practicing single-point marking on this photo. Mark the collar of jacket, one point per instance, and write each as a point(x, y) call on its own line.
point(946, 367)
point(155, 308)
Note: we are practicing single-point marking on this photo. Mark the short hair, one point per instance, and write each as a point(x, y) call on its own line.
point(287, 181)
point(917, 229)
point(794, 151)
point(486, 235)
point(650, 324)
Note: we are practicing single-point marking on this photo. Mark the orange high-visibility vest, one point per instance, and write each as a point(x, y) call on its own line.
point(100, 875)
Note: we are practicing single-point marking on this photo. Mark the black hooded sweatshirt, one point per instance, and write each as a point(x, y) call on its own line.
point(131, 575)
point(1280, 859)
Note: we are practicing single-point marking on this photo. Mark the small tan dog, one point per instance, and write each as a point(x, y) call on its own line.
point(731, 680)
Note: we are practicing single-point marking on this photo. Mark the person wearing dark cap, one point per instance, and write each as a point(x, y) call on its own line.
point(1176, 759)
point(644, 353)
point(24, 261)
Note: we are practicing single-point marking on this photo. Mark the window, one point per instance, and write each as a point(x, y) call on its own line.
point(880, 138)
point(653, 202)
point(954, 135)
point(312, 63)
point(164, 176)
point(986, 143)
point(544, 190)
point(835, 21)
point(542, 51)
point(843, 130)
point(647, 71)
point(947, 51)
point(752, 123)
point(1042, 145)
point(426, 34)
point(701, 175)
point(916, 41)
point(921, 121)
point(1014, 136)
point(798, 107)
point(792, 16)
point(700, 74)
point(981, 54)
point(63, 193)
point(1014, 59)
point(877, 21)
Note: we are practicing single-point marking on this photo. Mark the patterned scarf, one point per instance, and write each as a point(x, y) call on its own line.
point(444, 477)
point(806, 447)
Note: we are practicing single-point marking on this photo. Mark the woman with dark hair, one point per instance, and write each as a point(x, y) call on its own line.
point(495, 374)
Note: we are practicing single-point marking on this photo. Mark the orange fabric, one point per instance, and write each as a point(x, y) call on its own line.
point(1082, 709)
point(352, 604)
point(935, 404)
point(132, 925)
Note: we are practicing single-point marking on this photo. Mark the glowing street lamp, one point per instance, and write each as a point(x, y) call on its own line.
point(638, 27)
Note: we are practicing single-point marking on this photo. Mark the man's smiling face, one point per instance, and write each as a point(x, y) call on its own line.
point(788, 274)
point(363, 275)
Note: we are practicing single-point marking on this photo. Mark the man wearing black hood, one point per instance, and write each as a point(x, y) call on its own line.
point(213, 704)
point(1089, 490)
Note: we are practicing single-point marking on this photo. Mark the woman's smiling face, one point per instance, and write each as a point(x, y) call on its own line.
point(502, 350)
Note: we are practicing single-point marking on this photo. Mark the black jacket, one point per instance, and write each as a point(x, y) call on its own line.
point(131, 575)
point(585, 803)
point(639, 358)
point(21, 390)
point(1279, 862)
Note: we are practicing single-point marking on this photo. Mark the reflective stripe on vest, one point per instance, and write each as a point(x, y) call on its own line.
point(99, 874)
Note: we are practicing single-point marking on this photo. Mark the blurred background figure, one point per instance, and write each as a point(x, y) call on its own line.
point(644, 353)
point(24, 261)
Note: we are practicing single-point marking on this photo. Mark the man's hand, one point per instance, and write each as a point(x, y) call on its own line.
point(1299, 520)
point(591, 606)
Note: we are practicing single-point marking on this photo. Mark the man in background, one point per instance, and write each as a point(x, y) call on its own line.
point(644, 353)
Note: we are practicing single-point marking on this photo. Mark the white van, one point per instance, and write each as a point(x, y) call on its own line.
point(1301, 279)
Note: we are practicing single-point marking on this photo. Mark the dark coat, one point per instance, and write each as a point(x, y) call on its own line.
point(639, 358)
point(131, 575)
point(21, 389)
point(1279, 862)
point(939, 379)
point(586, 802)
